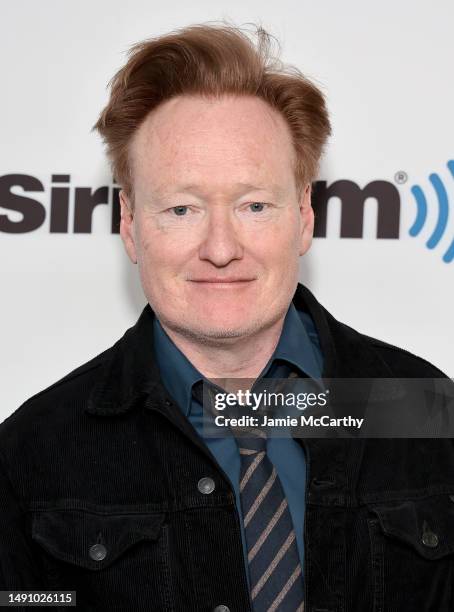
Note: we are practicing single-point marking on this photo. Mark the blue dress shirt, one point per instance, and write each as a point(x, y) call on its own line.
point(298, 350)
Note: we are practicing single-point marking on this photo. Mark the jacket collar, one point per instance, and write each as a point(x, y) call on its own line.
point(131, 373)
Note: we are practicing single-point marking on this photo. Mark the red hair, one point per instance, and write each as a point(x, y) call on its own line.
point(211, 60)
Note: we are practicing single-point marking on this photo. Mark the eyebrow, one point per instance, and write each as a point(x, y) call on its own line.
point(240, 187)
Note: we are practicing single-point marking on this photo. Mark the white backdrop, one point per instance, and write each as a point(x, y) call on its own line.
point(386, 68)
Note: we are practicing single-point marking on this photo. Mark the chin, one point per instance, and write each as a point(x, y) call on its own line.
point(207, 330)
point(222, 328)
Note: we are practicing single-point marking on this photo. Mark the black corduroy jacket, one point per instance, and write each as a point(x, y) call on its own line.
point(99, 494)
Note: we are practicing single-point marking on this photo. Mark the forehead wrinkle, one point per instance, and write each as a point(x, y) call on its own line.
point(209, 174)
point(236, 191)
point(243, 162)
point(204, 183)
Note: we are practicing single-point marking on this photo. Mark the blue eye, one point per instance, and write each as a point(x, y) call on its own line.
point(256, 206)
point(180, 210)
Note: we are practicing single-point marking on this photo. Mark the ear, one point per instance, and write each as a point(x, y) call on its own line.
point(127, 226)
point(307, 220)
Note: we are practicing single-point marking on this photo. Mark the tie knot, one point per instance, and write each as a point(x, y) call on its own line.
point(251, 441)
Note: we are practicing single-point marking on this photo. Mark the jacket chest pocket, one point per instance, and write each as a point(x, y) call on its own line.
point(412, 554)
point(114, 561)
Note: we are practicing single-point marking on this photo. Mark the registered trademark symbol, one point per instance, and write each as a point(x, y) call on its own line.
point(401, 177)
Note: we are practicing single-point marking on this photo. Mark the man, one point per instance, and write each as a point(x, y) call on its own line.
point(109, 487)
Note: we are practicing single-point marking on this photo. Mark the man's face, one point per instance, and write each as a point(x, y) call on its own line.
point(217, 226)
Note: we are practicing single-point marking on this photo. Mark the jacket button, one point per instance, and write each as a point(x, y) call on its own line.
point(429, 539)
point(221, 608)
point(206, 485)
point(98, 552)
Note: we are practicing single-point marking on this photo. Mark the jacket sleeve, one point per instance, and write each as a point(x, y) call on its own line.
point(18, 567)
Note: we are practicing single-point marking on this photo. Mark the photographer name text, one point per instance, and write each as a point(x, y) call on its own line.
point(287, 421)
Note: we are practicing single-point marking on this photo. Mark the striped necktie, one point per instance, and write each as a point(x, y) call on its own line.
point(273, 559)
point(274, 564)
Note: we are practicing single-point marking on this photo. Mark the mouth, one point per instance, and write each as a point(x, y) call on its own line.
point(219, 282)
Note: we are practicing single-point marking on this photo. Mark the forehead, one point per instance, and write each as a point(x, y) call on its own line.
point(212, 143)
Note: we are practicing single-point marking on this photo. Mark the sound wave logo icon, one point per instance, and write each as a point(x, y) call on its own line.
point(443, 212)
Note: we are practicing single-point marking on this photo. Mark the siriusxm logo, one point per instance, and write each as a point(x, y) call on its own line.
point(389, 200)
point(70, 209)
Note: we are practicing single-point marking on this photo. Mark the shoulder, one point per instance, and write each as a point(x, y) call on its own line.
point(351, 353)
point(65, 396)
point(402, 363)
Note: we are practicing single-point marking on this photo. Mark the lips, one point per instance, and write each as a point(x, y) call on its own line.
point(218, 280)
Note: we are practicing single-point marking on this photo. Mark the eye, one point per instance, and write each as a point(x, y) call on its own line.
point(180, 210)
point(257, 206)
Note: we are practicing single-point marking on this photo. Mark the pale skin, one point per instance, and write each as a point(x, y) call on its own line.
point(217, 227)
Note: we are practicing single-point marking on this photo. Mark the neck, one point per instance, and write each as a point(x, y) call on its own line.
point(231, 357)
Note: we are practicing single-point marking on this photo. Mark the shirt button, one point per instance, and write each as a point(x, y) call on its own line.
point(429, 539)
point(98, 552)
point(206, 485)
point(221, 608)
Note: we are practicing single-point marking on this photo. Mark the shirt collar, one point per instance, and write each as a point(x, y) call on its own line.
point(179, 375)
point(177, 372)
point(295, 345)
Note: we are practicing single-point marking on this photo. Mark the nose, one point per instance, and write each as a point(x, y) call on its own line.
point(221, 241)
